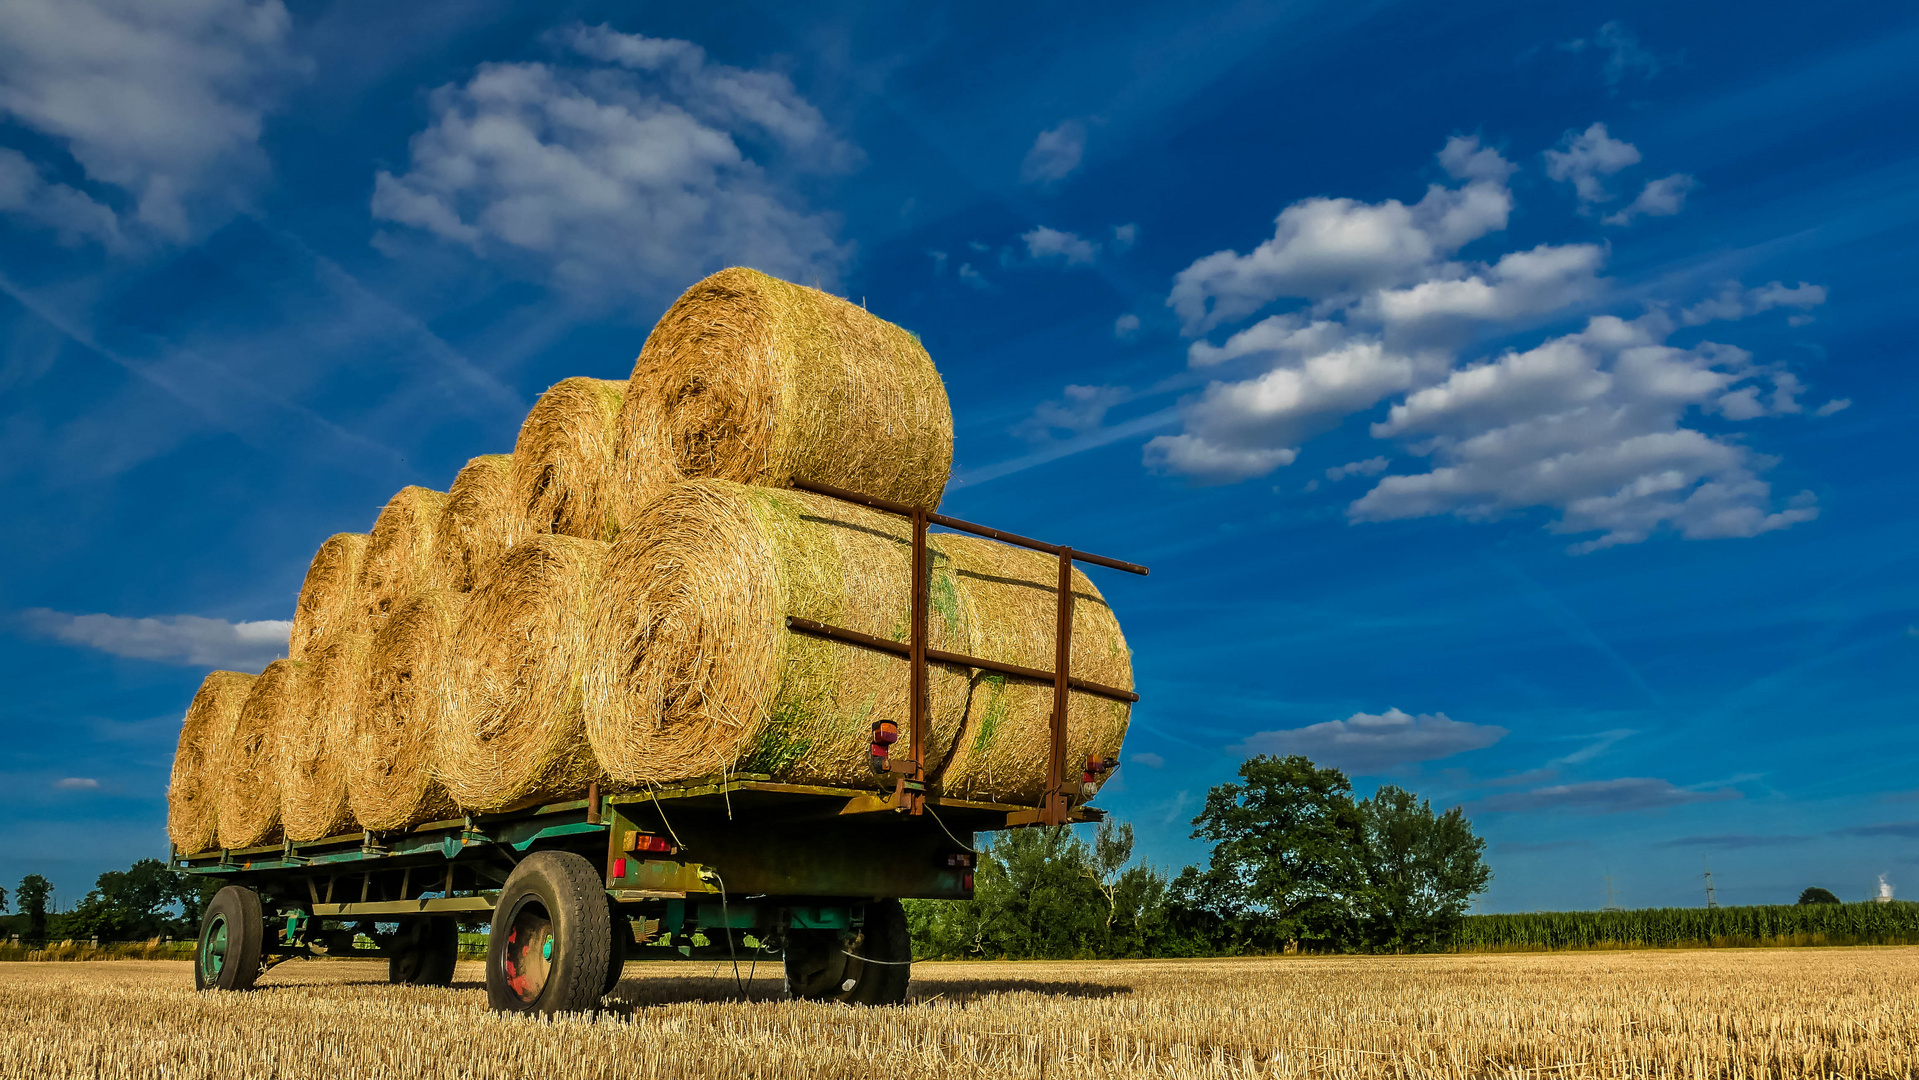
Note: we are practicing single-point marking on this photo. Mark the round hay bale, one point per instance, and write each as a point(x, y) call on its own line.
point(477, 523)
point(563, 461)
point(200, 761)
point(315, 737)
point(407, 691)
point(514, 735)
point(399, 553)
point(753, 379)
point(250, 797)
point(329, 597)
point(1010, 593)
point(692, 669)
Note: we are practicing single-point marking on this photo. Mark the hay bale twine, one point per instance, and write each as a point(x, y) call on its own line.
point(250, 797)
point(477, 522)
point(399, 553)
point(407, 691)
point(1010, 593)
point(329, 600)
point(315, 737)
point(693, 671)
point(200, 760)
point(563, 462)
point(514, 735)
point(753, 379)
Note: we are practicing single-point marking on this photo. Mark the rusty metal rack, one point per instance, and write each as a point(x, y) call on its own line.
point(910, 775)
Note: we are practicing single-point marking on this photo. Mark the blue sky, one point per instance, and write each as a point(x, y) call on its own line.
point(1513, 402)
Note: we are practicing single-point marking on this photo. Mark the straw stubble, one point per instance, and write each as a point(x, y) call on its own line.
point(515, 733)
point(692, 669)
point(314, 739)
point(200, 760)
point(757, 380)
point(563, 462)
point(250, 798)
point(406, 698)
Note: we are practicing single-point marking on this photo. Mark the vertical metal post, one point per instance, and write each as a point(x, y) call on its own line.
point(916, 683)
point(593, 803)
point(1053, 809)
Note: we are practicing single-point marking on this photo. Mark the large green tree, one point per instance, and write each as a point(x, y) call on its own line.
point(146, 900)
point(1287, 862)
point(32, 897)
point(1422, 869)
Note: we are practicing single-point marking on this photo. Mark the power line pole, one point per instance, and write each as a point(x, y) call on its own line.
point(1612, 899)
point(1712, 901)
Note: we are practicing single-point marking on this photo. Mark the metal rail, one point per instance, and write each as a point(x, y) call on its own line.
point(910, 786)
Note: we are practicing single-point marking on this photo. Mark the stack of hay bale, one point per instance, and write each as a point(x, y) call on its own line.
point(606, 604)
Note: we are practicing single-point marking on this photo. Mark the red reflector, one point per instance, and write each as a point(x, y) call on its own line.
point(966, 882)
point(619, 868)
point(880, 749)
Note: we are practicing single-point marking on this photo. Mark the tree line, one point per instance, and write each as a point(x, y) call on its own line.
point(1297, 863)
point(145, 901)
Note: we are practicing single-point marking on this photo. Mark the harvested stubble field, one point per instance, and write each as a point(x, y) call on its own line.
point(1721, 1013)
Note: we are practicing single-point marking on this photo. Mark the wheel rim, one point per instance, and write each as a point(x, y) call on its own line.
point(213, 948)
point(528, 957)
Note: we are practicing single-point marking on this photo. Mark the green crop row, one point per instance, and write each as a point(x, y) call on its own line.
point(1775, 924)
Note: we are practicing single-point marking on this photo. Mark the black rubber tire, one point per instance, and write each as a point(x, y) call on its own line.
point(872, 968)
point(424, 952)
point(232, 938)
point(547, 952)
point(619, 936)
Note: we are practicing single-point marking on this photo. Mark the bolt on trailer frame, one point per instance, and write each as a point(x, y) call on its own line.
point(730, 866)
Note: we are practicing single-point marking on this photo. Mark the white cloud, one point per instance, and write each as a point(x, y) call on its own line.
point(1125, 236)
point(1587, 156)
point(1833, 406)
point(1045, 243)
point(1734, 302)
point(1207, 463)
point(1322, 248)
point(973, 277)
point(177, 639)
point(162, 101)
point(626, 176)
point(1082, 409)
point(1602, 426)
point(1365, 744)
point(1146, 758)
point(1372, 466)
point(1659, 198)
point(1605, 797)
point(939, 260)
point(77, 783)
point(1056, 153)
point(71, 213)
point(1126, 326)
point(1624, 54)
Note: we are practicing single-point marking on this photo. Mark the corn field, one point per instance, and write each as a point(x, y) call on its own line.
point(1725, 1013)
point(1779, 924)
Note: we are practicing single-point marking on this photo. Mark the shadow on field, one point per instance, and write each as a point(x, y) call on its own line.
point(974, 989)
point(634, 994)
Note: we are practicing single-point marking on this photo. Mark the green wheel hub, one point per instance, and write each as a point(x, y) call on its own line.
point(213, 948)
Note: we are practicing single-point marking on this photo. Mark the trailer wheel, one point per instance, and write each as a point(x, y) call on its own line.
point(232, 933)
point(424, 952)
point(619, 936)
point(551, 928)
point(872, 968)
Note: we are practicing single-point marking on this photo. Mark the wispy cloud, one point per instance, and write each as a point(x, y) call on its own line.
point(1902, 829)
point(1604, 797)
point(1365, 743)
point(175, 639)
point(1056, 152)
point(77, 783)
point(1735, 840)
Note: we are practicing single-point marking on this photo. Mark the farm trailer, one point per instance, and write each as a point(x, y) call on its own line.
point(573, 889)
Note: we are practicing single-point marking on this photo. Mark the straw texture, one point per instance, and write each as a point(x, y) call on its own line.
point(1009, 594)
point(514, 735)
point(250, 798)
point(399, 552)
point(692, 670)
point(563, 462)
point(753, 379)
point(200, 760)
point(404, 700)
point(477, 523)
point(315, 737)
point(329, 600)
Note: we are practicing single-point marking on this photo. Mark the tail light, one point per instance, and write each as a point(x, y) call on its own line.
point(885, 734)
point(959, 858)
point(640, 842)
point(1096, 767)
